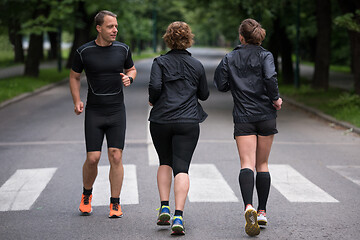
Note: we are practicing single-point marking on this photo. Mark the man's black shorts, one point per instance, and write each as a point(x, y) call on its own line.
point(262, 128)
point(108, 121)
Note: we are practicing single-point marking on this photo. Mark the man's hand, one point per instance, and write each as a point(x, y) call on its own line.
point(277, 104)
point(79, 108)
point(125, 79)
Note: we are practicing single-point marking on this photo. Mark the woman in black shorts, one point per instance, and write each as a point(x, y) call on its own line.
point(177, 82)
point(249, 72)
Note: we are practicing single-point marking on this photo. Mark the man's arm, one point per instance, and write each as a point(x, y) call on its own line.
point(131, 72)
point(74, 82)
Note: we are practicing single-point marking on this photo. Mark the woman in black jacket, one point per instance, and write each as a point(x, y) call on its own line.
point(177, 81)
point(249, 73)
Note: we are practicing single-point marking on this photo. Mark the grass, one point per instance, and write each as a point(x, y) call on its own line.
point(145, 54)
point(7, 59)
point(334, 68)
point(14, 86)
point(337, 103)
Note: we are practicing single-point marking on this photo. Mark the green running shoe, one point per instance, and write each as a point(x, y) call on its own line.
point(177, 227)
point(163, 218)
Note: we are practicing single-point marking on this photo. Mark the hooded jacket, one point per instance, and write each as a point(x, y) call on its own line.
point(177, 81)
point(249, 73)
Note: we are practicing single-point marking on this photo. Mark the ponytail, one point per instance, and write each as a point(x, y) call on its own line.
point(252, 31)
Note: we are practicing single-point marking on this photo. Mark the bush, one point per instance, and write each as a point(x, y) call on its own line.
point(346, 100)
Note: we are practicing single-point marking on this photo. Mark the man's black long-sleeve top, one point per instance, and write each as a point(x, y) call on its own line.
point(177, 82)
point(249, 72)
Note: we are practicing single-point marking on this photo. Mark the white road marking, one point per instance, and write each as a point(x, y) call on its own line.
point(295, 187)
point(129, 192)
point(351, 173)
point(208, 185)
point(22, 189)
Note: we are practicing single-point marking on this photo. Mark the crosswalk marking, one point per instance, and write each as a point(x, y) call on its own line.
point(22, 189)
point(129, 192)
point(208, 185)
point(351, 173)
point(295, 187)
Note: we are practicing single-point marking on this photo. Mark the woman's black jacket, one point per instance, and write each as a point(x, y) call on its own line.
point(177, 81)
point(249, 72)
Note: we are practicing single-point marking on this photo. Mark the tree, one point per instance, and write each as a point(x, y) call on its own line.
point(323, 44)
point(35, 51)
point(351, 9)
point(82, 30)
point(15, 38)
point(222, 18)
point(10, 16)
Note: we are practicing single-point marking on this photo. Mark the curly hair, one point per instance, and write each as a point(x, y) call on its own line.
point(178, 36)
point(252, 31)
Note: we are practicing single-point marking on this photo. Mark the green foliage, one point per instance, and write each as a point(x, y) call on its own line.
point(342, 105)
point(346, 108)
point(213, 22)
point(349, 21)
point(6, 52)
point(344, 100)
point(5, 45)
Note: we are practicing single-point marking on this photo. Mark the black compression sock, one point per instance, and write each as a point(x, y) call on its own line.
point(114, 200)
point(178, 213)
point(87, 192)
point(246, 181)
point(263, 182)
point(166, 203)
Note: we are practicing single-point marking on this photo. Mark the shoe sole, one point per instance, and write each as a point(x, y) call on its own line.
point(262, 222)
point(85, 213)
point(115, 216)
point(252, 227)
point(164, 219)
point(177, 230)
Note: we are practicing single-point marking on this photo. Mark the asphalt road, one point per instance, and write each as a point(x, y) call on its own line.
point(315, 169)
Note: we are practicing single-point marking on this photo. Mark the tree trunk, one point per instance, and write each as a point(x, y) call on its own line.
point(286, 60)
point(32, 62)
point(323, 44)
point(355, 52)
point(53, 51)
point(81, 35)
point(16, 40)
point(349, 6)
point(274, 43)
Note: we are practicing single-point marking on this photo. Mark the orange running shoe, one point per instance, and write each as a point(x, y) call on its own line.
point(115, 210)
point(85, 204)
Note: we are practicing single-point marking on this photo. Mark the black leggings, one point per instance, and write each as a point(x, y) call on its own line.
point(175, 144)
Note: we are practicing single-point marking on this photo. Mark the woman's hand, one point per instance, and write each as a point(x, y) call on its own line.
point(277, 104)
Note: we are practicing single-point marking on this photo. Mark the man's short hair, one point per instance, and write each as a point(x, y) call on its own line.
point(99, 18)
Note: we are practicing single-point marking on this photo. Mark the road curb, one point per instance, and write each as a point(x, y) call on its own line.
point(322, 115)
point(29, 94)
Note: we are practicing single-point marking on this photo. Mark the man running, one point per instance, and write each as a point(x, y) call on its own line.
point(108, 66)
